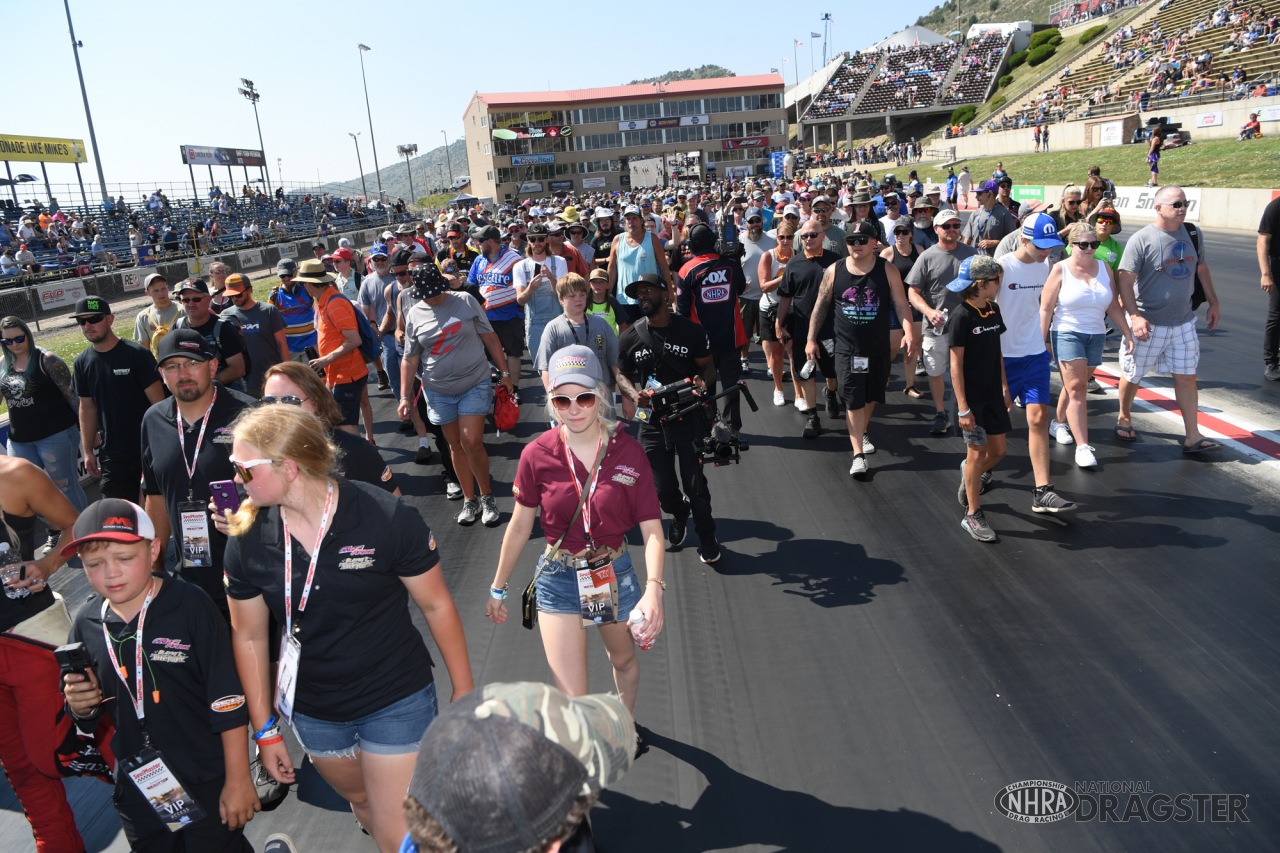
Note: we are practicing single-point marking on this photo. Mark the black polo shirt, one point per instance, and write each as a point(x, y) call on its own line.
point(164, 471)
point(117, 381)
point(187, 657)
point(360, 649)
point(361, 462)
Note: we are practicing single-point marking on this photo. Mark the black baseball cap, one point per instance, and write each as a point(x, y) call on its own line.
point(90, 306)
point(648, 278)
point(110, 520)
point(185, 343)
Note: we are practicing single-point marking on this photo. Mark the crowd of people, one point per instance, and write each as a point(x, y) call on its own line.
point(246, 509)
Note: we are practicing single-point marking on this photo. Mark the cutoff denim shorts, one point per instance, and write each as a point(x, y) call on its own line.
point(558, 587)
point(395, 730)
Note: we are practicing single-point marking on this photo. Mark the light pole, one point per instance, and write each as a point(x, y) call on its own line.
point(280, 172)
point(355, 137)
point(372, 141)
point(448, 157)
point(253, 95)
point(84, 93)
point(407, 151)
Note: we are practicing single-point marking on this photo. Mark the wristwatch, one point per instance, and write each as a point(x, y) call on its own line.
point(505, 373)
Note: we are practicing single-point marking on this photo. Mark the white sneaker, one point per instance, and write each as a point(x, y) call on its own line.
point(867, 447)
point(1061, 432)
point(859, 468)
point(489, 516)
point(1085, 457)
point(779, 399)
point(799, 404)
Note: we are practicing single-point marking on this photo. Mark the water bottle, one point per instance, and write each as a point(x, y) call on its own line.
point(11, 570)
point(807, 370)
point(637, 623)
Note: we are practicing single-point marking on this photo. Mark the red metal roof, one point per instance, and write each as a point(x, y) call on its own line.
point(629, 93)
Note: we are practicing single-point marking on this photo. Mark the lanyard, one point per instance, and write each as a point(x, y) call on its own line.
point(182, 442)
point(139, 706)
point(311, 571)
point(593, 479)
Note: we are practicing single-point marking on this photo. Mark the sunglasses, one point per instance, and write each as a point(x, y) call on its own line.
point(536, 239)
point(244, 470)
point(585, 400)
point(1176, 205)
point(17, 339)
point(287, 399)
point(188, 300)
point(403, 274)
point(1088, 245)
point(950, 226)
point(810, 236)
point(902, 231)
point(858, 241)
point(1072, 201)
point(90, 320)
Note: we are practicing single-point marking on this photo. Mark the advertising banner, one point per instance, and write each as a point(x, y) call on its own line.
point(1140, 202)
point(749, 142)
point(593, 183)
point(530, 187)
point(64, 294)
point(654, 123)
point(288, 250)
point(525, 132)
point(41, 149)
point(146, 255)
point(532, 159)
point(1213, 119)
point(1024, 194)
point(249, 260)
point(558, 186)
point(132, 279)
point(1111, 133)
point(203, 155)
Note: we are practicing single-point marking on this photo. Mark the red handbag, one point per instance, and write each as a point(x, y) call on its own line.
point(506, 414)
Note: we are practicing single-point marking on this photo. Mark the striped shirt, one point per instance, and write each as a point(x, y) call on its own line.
point(494, 279)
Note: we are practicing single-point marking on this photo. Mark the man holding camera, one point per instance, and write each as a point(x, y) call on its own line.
point(659, 349)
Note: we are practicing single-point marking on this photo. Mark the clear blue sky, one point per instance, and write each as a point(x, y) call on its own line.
point(163, 76)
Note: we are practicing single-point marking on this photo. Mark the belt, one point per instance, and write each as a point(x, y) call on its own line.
point(562, 556)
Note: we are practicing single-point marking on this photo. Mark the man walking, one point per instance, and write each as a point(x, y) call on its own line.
point(1268, 254)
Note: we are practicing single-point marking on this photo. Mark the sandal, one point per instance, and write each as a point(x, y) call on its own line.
point(1201, 446)
point(1126, 432)
point(913, 392)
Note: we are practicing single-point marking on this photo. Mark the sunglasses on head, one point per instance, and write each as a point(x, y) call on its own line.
point(16, 339)
point(1088, 245)
point(90, 320)
point(584, 400)
point(244, 470)
point(287, 399)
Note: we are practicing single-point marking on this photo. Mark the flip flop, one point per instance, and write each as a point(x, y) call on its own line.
point(1201, 446)
point(1126, 433)
point(913, 392)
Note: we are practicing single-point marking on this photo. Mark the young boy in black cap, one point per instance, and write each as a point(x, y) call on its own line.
point(171, 689)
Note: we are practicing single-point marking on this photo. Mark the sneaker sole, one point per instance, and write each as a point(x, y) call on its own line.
point(710, 560)
point(976, 537)
point(1051, 509)
point(493, 523)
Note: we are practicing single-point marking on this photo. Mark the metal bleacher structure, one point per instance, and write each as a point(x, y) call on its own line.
point(1111, 77)
point(73, 270)
point(869, 90)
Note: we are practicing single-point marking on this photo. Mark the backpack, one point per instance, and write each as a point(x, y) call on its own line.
point(162, 329)
point(215, 338)
point(370, 343)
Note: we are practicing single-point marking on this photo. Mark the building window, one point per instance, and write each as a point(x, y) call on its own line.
point(486, 148)
point(484, 120)
point(488, 176)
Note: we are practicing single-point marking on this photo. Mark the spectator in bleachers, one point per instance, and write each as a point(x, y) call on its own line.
point(27, 260)
point(8, 263)
point(101, 254)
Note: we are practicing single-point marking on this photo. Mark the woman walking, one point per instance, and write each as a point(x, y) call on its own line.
point(535, 279)
point(593, 484)
point(902, 253)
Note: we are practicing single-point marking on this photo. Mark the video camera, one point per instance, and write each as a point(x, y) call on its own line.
point(675, 401)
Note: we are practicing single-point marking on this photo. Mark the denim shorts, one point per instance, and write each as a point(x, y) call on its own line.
point(1074, 346)
point(395, 730)
point(558, 587)
point(447, 408)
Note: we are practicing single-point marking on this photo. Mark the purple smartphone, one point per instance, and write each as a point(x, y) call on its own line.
point(225, 496)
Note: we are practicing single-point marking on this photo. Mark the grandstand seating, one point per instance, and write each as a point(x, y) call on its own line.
point(843, 87)
point(300, 222)
point(910, 78)
point(978, 66)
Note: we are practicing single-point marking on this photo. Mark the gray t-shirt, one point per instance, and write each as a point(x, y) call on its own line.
point(259, 324)
point(1165, 263)
point(833, 241)
point(447, 338)
point(597, 334)
point(371, 288)
point(933, 271)
point(751, 262)
point(982, 225)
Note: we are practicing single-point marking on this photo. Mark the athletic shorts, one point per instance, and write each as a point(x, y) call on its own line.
point(769, 324)
point(1170, 349)
point(511, 335)
point(826, 364)
point(750, 315)
point(1028, 377)
point(992, 417)
point(348, 397)
point(1153, 160)
point(858, 389)
point(936, 354)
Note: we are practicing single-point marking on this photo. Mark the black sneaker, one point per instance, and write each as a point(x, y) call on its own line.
point(642, 745)
point(423, 456)
point(678, 531)
point(280, 843)
point(941, 424)
point(406, 426)
point(52, 542)
point(976, 526)
point(833, 405)
point(1272, 372)
point(812, 426)
point(710, 553)
point(1045, 499)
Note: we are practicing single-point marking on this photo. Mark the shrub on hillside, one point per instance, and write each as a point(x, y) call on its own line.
point(1006, 80)
point(1043, 37)
point(1017, 59)
point(1092, 33)
point(1041, 54)
point(997, 102)
point(963, 115)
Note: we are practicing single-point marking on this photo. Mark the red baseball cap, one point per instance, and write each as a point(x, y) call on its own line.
point(343, 254)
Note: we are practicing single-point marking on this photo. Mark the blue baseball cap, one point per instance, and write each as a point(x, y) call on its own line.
point(974, 269)
point(1042, 231)
point(378, 249)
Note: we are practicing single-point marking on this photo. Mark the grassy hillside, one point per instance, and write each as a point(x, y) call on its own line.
point(702, 72)
point(960, 14)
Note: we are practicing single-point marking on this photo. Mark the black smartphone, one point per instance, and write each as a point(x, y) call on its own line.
point(311, 352)
point(537, 269)
point(73, 657)
point(225, 496)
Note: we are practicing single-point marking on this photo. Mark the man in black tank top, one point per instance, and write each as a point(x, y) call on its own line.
point(859, 290)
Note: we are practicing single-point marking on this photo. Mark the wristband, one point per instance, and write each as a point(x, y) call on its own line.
point(267, 727)
point(498, 594)
point(505, 373)
point(660, 583)
point(964, 414)
point(267, 741)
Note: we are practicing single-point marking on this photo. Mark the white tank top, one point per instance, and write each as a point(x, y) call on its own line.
point(1083, 302)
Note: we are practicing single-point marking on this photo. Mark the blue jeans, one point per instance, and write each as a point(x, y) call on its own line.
point(59, 456)
point(391, 363)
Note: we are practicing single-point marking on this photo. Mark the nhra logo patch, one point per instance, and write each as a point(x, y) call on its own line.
point(715, 294)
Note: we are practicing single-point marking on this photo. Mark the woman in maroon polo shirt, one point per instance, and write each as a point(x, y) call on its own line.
point(554, 471)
